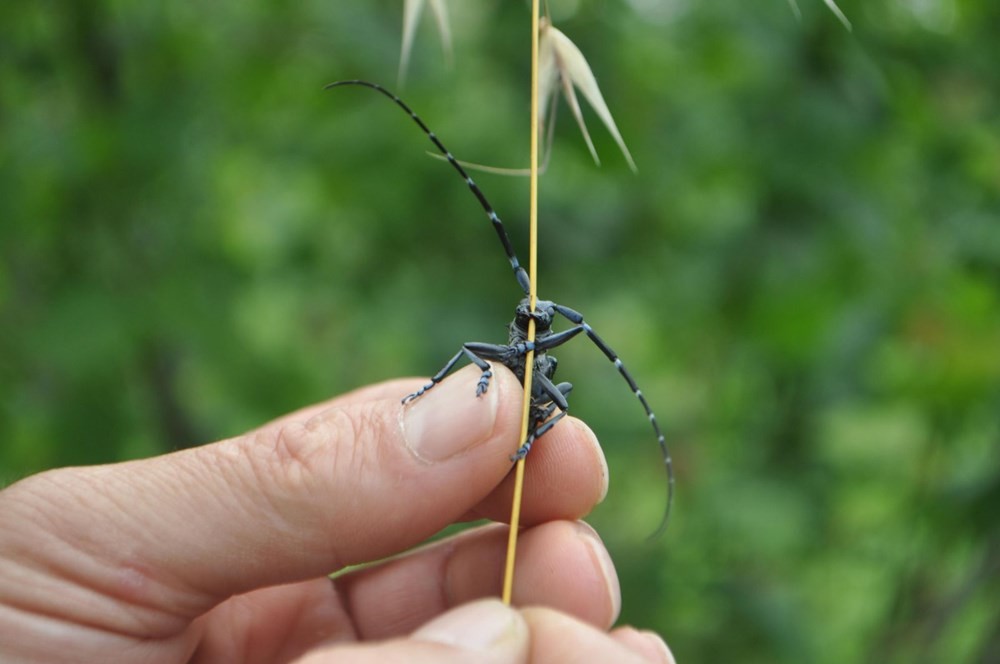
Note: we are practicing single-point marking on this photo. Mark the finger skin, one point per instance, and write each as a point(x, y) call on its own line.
point(645, 643)
point(400, 651)
point(487, 631)
point(552, 478)
point(552, 487)
point(557, 638)
point(138, 550)
point(562, 565)
point(197, 526)
point(384, 391)
point(273, 624)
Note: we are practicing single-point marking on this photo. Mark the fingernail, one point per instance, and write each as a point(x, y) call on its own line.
point(450, 418)
point(602, 560)
point(599, 452)
point(483, 626)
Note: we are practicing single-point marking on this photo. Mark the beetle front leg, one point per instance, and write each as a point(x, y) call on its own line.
point(481, 386)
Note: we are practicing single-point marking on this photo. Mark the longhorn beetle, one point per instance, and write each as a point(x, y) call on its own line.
point(548, 400)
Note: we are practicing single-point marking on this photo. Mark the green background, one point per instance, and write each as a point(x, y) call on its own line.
point(803, 276)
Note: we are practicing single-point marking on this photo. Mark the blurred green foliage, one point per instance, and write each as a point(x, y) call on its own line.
point(195, 238)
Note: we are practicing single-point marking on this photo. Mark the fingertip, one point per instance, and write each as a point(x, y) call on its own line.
point(456, 414)
point(450, 418)
point(594, 449)
point(567, 461)
point(484, 626)
point(566, 476)
point(604, 567)
point(481, 631)
point(646, 643)
point(564, 565)
point(556, 632)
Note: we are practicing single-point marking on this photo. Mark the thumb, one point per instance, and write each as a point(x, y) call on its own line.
point(483, 631)
point(352, 483)
point(488, 631)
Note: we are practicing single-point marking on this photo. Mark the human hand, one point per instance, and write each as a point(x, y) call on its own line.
point(221, 553)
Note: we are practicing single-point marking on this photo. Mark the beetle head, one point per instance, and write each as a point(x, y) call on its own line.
point(543, 314)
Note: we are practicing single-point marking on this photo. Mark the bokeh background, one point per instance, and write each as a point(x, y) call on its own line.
point(803, 275)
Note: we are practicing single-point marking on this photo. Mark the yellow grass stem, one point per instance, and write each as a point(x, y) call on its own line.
point(529, 360)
